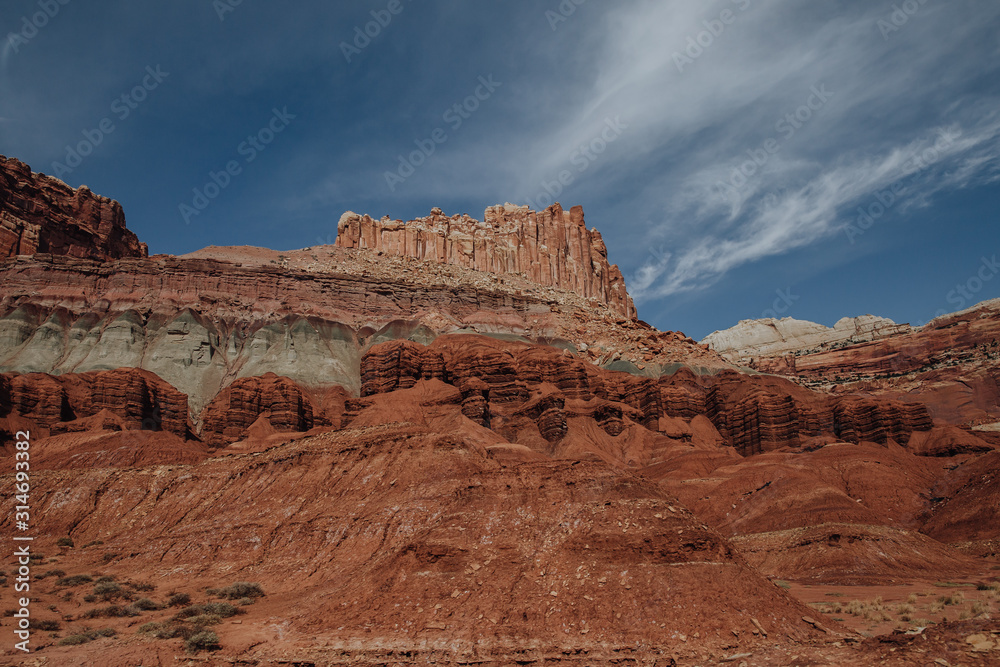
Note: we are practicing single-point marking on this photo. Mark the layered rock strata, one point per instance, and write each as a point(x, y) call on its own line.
point(39, 213)
point(139, 398)
point(551, 247)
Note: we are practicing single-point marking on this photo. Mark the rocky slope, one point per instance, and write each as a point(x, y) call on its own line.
point(551, 247)
point(951, 364)
point(39, 213)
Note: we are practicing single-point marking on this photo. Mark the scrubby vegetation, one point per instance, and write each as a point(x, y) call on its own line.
point(86, 635)
point(206, 640)
point(178, 600)
point(239, 590)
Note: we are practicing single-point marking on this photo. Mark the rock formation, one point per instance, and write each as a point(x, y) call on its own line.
point(285, 405)
point(770, 337)
point(39, 213)
point(551, 247)
point(141, 399)
point(452, 442)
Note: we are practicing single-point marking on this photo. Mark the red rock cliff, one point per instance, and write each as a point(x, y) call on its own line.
point(551, 247)
point(39, 213)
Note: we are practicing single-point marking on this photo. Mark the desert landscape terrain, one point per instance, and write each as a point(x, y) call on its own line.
point(452, 441)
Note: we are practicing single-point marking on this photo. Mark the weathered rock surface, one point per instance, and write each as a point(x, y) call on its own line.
point(39, 213)
point(285, 405)
point(139, 398)
point(200, 323)
point(551, 247)
point(395, 537)
point(772, 337)
point(521, 382)
point(951, 364)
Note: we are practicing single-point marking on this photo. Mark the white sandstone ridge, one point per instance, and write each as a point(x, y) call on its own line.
point(770, 337)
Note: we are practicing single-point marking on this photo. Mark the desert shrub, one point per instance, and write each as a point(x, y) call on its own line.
point(56, 573)
point(220, 609)
point(112, 611)
point(206, 640)
point(904, 609)
point(912, 599)
point(36, 557)
point(74, 580)
point(145, 604)
point(245, 602)
point(143, 586)
point(204, 619)
point(49, 625)
point(93, 544)
point(104, 578)
point(73, 640)
point(179, 600)
point(109, 590)
point(85, 635)
point(65, 542)
point(165, 630)
point(978, 608)
point(109, 556)
point(244, 589)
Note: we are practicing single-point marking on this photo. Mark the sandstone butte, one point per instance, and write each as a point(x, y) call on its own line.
point(453, 442)
point(551, 247)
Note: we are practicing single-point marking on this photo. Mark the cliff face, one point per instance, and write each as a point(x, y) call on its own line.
point(551, 247)
point(42, 214)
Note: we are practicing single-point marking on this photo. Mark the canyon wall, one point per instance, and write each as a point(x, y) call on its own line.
point(551, 247)
point(39, 213)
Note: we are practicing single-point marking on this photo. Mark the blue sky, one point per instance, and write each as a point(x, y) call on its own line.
point(742, 158)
